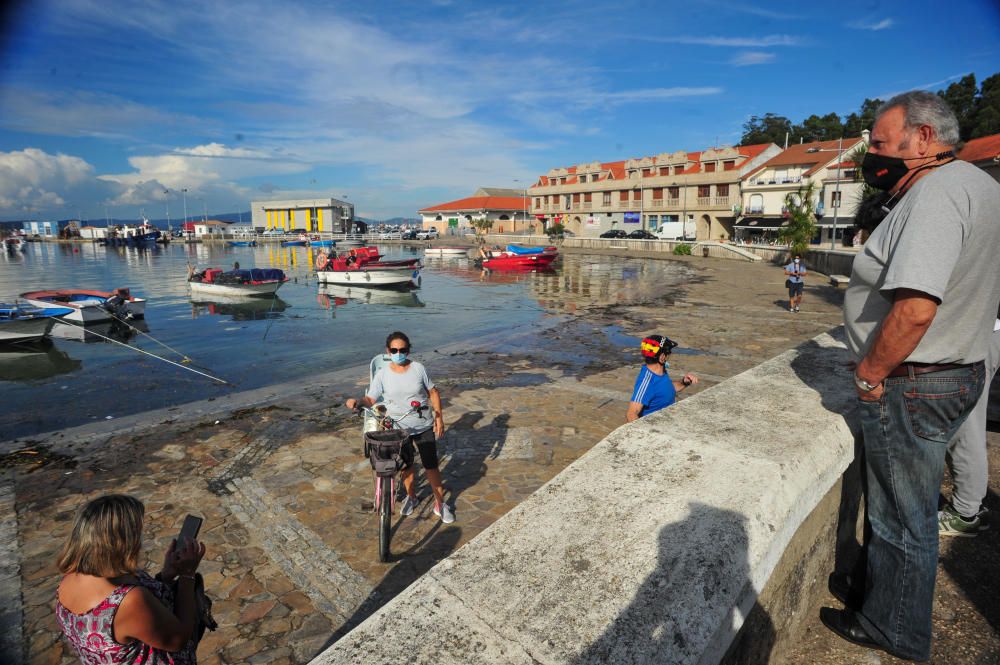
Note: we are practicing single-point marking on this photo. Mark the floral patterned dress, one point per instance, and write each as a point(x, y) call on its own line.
point(92, 633)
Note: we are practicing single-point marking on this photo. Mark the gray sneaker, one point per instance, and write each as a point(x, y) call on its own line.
point(444, 512)
point(409, 503)
point(950, 523)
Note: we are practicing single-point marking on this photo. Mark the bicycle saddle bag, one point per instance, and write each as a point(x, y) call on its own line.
point(384, 451)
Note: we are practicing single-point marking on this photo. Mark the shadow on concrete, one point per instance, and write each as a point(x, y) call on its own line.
point(972, 562)
point(660, 625)
point(411, 564)
point(468, 450)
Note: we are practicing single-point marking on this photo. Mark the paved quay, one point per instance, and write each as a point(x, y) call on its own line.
point(292, 554)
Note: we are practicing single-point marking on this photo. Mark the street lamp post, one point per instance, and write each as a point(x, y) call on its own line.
point(836, 194)
point(184, 196)
point(166, 193)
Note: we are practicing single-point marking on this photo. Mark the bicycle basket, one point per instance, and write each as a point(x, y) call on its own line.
point(384, 451)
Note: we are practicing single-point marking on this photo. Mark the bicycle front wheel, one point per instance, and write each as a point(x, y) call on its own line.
point(384, 517)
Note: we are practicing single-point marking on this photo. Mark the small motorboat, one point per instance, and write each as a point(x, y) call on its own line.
point(252, 282)
point(26, 323)
point(363, 267)
point(446, 250)
point(242, 243)
point(519, 257)
point(316, 241)
point(90, 306)
point(14, 244)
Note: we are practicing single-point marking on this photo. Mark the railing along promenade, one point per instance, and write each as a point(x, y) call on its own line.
point(699, 534)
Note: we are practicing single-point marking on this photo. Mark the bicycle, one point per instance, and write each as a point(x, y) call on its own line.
point(383, 446)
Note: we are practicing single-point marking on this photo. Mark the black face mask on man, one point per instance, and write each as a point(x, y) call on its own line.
point(882, 172)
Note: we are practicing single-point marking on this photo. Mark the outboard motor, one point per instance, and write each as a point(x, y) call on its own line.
point(117, 304)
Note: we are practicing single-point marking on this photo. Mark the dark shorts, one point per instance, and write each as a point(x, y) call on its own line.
point(795, 289)
point(426, 444)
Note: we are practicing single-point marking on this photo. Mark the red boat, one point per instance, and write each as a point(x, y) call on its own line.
point(495, 260)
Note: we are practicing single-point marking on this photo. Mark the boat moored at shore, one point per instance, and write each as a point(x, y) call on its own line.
point(90, 305)
point(253, 282)
point(20, 323)
point(363, 266)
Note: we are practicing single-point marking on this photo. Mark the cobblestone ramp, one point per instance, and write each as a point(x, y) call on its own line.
point(11, 641)
point(334, 588)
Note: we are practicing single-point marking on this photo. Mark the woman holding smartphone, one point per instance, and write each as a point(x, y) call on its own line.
point(110, 610)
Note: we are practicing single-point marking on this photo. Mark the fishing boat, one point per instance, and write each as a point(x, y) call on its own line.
point(447, 250)
point(318, 242)
point(294, 243)
point(516, 257)
point(362, 267)
point(242, 243)
point(14, 244)
point(253, 282)
point(90, 306)
point(21, 323)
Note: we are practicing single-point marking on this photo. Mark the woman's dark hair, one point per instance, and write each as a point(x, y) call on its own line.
point(397, 335)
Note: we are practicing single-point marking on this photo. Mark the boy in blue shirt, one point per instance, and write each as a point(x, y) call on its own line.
point(654, 389)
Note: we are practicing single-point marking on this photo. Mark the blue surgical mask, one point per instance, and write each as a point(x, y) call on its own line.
point(398, 358)
point(666, 364)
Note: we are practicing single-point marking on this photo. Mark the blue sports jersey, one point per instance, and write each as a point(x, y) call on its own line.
point(654, 392)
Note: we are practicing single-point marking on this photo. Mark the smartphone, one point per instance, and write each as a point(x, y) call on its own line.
point(192, 524)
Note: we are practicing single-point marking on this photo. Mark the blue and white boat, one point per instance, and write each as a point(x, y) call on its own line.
point(24, 323)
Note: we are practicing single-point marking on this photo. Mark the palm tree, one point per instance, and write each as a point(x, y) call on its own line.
point(801, 219)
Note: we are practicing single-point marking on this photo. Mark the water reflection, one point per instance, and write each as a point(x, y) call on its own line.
point(40, 360)
point(331, 296)
point(241, 308)
point(108, 331)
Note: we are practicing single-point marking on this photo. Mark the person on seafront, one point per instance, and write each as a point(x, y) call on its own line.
point(109, 609)
point(654, 389)
point(918, 314)
point(401, 382)
point(964, 515)
point(795, 272)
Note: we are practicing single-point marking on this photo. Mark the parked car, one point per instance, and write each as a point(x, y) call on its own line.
point(641, 234)
point(409, 234)
point(614, 233)
point(427, 234)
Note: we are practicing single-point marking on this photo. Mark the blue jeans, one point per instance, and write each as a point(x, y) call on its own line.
point(906, 434)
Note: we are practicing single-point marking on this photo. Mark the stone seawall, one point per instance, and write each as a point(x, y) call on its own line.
point(657, 545)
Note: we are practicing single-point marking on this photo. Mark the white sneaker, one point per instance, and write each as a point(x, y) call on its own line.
point(444, 512)
point(409, 503)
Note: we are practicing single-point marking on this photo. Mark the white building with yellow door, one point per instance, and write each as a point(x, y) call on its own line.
point(310, 215)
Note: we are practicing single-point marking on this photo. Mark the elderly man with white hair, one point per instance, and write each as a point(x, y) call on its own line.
point(919, 314)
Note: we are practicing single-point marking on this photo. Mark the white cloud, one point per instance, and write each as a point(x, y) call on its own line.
point(714, 40)
point(752, 58)
point(81, 113)
point(32, 180)
point(872, 24)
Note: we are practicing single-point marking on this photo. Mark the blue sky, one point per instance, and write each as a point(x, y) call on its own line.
point(120, 105)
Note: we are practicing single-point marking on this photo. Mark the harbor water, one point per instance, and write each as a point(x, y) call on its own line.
point(307, 329)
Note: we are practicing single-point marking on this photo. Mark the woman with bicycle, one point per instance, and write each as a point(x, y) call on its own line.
point(400, 383)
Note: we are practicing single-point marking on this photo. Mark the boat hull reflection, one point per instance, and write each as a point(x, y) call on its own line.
point(335, 295)
point(35, 361)
point(119, 331)
point(245, 308)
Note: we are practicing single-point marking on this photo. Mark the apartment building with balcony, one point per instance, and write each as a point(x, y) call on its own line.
point(699, 188)
point(837, 190)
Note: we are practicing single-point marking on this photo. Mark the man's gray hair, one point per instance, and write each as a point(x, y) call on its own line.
point(925, 108)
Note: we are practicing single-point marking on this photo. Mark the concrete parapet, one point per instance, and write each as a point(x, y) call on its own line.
point(655, 546)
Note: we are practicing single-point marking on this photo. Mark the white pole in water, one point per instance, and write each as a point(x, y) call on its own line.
point(184, 194)
point(166, 192)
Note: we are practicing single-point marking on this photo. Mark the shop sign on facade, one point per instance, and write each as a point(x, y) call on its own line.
point(631, 218)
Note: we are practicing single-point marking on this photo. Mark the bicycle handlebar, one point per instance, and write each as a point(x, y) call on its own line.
point(415, 407)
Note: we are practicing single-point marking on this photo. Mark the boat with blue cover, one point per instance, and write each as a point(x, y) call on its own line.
point(242, 243)
point(243, 282)
point(25, 323)
point(517, 249)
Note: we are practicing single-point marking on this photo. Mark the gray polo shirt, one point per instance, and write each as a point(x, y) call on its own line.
point(401, 388)
point(942, 239)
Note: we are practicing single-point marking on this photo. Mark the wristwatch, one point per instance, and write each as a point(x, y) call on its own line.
point(864, 386)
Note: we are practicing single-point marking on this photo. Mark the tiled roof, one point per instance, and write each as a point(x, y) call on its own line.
point(751, 151)
point(477, 203)
point(983, 148)
point(799, 155)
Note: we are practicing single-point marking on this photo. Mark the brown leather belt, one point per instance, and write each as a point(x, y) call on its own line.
point(922, 368)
